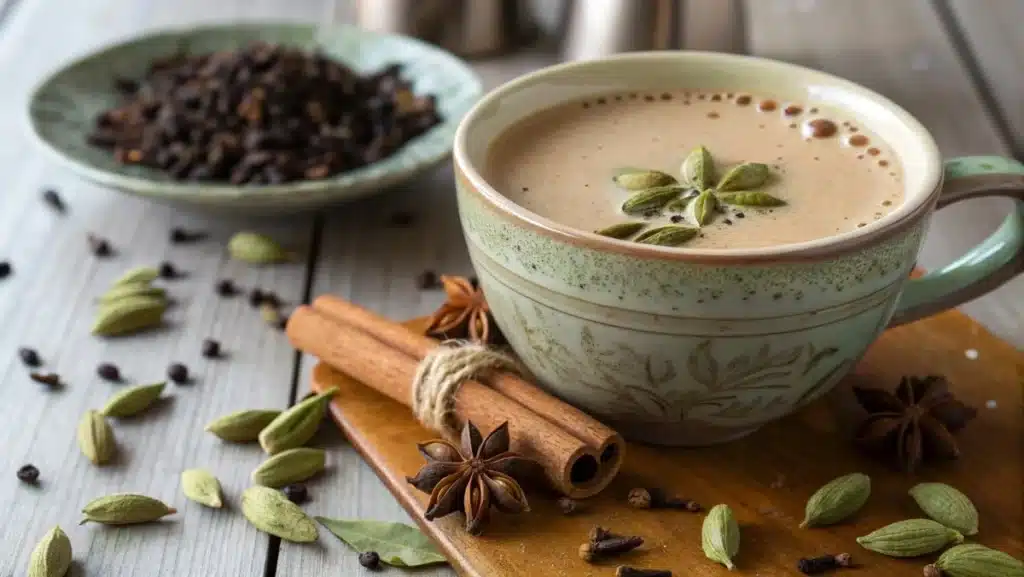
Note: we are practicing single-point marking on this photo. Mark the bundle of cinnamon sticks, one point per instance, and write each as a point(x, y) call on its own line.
point(580, 455)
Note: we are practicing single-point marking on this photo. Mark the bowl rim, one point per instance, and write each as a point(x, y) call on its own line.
point(917, 203)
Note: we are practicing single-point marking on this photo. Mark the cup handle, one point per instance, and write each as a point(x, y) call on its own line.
point(996, 260)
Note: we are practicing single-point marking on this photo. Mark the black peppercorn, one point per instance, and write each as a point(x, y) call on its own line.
point(53, 199)
point(182, 236)
point(296, 493)
point(369, 559)
point(109, 372)
point(178, 373)
point(28, 474)
point(211, 349)
point(99, 246)
point(29, 357)
point(5, 269)
point(676, 218)
point(255, 297)
point(740, 215)
point(427, 280)
point(817, 565)
point(169, 271)
point(226, 288)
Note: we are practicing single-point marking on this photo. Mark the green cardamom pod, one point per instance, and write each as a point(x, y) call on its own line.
point(271, 512)
point(242, 426)
point(294, 427)
point(289, 467)
point(651, 199)
point(837, 500)
point(138, 275)
point(698, 170)
point(744, 176)
point(750, 198)
point(133, 289)
point(125, 509)
point(622, 230)
point(202, 487)
point(947, 505)
point(720, 536)
point(639, 179)
point(256, 248)
point(52, 556)
point(133, 401)
point(704, 207)
point(910, 538)
point(96, 438)
point(679, 204)
point(128, 315)
point(973, 560)
point(670, 235)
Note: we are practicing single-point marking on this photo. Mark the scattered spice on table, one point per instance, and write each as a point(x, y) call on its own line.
point(210, 349)
point(28, 474)
point(226, 288)
point(109, 372)
point(51, 380)
point(5, 269)
point(99, 246)
point(178, 373)
point(819, 565)
point(52, 198)
point(370, 560)
point(598, 533)
point(654, 498)
point(296, 493)
point(182, 236)
point(168, 271)
point(625, 571)
point(255, 297)
point(29, 357)
point(592, 551)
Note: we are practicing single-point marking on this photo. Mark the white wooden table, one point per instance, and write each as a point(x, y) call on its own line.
point(953, 63)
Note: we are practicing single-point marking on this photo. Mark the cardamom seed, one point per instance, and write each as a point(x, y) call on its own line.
point(947, 505)
point(271, 512)
point(669, 235)
point(744, 176)
point(52, 556)
point(96, 438)
point(622, 230)
point(202, 487)
point(255, 248)
point(750, 198)
point(837, 500)
point(297, 425)
point(679, 204)
point(289, 467)
point(651, 199)
point(242, 426)
point(973, 560)
point(910, 538)
point(704, 207)
point(138, 275)
point(119, 292)
point(698, 170)
point(128, 315)
point(125, 509)
point(720, 536)
point(639, 179)
point(133, 401)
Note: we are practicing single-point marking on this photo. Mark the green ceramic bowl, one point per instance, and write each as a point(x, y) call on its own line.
point(62, 109)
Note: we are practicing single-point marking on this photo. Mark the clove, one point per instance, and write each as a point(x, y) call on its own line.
point(593, 550)
point(649, 498)
point(51, 380)
point(624, 571)
point(600, 534)
point(818, 565)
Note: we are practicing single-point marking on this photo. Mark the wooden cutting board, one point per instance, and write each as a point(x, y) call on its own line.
point(766, 478)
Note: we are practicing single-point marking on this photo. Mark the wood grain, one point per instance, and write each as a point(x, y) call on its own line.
point(766, 478)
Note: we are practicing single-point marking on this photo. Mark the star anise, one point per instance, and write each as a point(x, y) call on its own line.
point(916, 423)
point(464, 314)
point(473, 477)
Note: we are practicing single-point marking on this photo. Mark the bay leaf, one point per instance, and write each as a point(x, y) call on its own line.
point(651, 199)
point(698, 170)
point(750, 198)
point(744, 176)
point(639, 178)
point(397, 544)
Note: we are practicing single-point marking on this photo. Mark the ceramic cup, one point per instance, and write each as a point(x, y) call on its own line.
point(681, 346)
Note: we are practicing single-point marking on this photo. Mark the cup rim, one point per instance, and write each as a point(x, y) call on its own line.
point(917, 203)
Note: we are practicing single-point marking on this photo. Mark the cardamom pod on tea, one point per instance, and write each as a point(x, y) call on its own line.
point(271, 512)
point(910, 538)
point(947, 505)
point(242, 426)
point(837, 500)
point(133, 401)
point(720, 536)
point(679, 204)
point(138, 275)
point(125, 509)
point(639, 179)
point(670, 235)
point(744, 176)
point(622, 230)
point(202, 487)
point(698, 170)
point(750, 198)
point(297, 425)
point(973, 560)
point(52, 555)
point(255, 248)
point(651, 199)
point(133, 289)
point(704, 207)
point(96, 438)
point(128, 315)
point(289, 467)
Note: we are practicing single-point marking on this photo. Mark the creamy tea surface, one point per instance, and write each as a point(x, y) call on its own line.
point(661, 168)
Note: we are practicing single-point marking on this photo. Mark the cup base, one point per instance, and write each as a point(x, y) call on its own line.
point(679, 434)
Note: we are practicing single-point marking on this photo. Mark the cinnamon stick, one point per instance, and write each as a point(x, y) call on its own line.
point(572, 467)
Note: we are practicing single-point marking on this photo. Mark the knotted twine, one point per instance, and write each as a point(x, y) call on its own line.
point(443, 370)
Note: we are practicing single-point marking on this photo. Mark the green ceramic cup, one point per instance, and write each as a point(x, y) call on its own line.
point(694, 347)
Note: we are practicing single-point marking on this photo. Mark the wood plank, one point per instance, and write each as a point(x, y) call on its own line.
point(901, 50)
point(48, 304)
point(992, 32)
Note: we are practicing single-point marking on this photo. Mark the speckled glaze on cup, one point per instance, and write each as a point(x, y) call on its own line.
point(693, 347)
